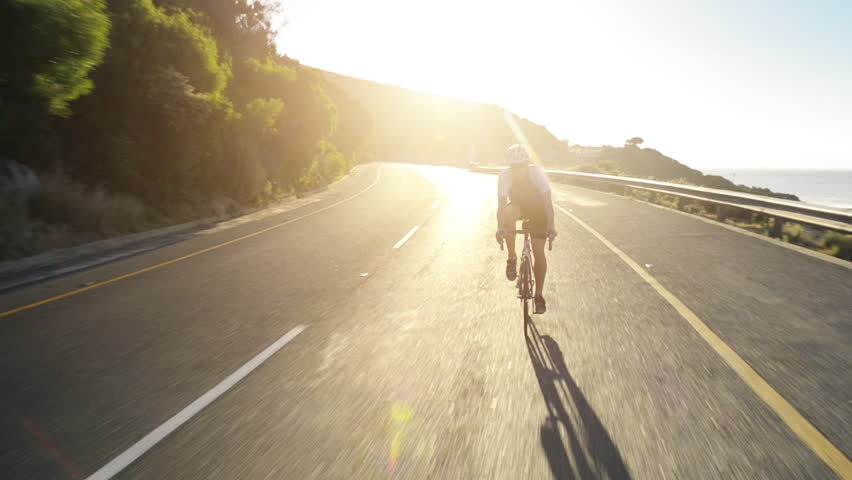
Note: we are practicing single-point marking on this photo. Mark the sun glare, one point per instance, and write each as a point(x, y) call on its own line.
point(519, 135)
point(597, 73)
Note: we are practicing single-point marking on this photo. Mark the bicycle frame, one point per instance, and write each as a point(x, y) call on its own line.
point(526, 279)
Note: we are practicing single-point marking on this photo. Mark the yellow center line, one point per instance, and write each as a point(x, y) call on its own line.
point(806, 432)
point(179, 259)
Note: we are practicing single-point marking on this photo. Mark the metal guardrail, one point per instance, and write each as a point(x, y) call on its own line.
point(781, 210)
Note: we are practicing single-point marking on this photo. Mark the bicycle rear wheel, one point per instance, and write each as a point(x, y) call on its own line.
point(526, 287)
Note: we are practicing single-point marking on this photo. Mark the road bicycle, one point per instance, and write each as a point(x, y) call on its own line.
point(526, 280)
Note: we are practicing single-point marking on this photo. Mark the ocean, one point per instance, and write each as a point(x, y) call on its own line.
point(832, 188)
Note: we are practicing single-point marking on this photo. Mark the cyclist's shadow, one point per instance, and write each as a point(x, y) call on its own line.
point(589, 445)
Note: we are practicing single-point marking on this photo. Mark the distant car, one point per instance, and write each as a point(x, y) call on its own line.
point(472, 165)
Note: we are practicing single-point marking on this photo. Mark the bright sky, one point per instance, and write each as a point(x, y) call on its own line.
point(711, 83)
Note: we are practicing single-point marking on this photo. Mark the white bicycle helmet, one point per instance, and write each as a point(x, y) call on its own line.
point(517, 154)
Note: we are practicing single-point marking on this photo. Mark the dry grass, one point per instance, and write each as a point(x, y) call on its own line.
point(22, 235)
point(64, 202)
point(65, 213)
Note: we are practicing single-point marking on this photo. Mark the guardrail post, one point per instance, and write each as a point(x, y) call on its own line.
point(721, 213)
point(777, 227)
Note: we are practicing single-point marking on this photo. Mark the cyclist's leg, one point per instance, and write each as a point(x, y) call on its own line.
point(510, 222)
point(540, 267)
point(538, 223)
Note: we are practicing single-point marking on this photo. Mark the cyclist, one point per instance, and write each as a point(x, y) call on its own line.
point(523, 193)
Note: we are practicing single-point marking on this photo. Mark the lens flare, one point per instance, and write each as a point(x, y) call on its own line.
point(400, 415)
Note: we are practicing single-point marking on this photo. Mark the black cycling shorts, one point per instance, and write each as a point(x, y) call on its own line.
point(535, 216)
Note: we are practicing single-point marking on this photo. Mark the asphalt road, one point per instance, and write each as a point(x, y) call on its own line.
point(412, 362)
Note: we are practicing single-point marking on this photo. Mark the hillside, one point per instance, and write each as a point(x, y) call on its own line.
point(649, 163)
point(411, 126)
point(414, 126)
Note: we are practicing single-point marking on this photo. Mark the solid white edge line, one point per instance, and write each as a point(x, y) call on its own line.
point(138, 449)
point(435, 205)
point(406, 237)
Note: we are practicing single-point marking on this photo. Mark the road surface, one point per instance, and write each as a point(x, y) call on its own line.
point(371, 333)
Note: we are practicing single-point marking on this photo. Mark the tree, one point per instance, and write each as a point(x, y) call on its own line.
point(243, 26)
point(634, 142)
point(354, 124)
point(155, 121)
point(50, 47)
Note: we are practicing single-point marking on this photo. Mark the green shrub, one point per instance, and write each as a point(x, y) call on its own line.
point(49, 49)
point(793, 233)
point(670, 201)
point(609, 168)
point(589, 169)
point(838, 245)
point(694, 208)
point(641, 194)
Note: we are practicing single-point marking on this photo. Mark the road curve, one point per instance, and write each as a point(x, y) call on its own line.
point(409, 358)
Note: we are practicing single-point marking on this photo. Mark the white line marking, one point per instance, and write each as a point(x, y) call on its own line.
point(435, 205)
point(138, 449)
point(406, 237)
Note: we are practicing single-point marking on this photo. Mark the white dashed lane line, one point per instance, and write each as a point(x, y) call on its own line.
point(404, 239)
point(147, 442)
point(411, 232)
